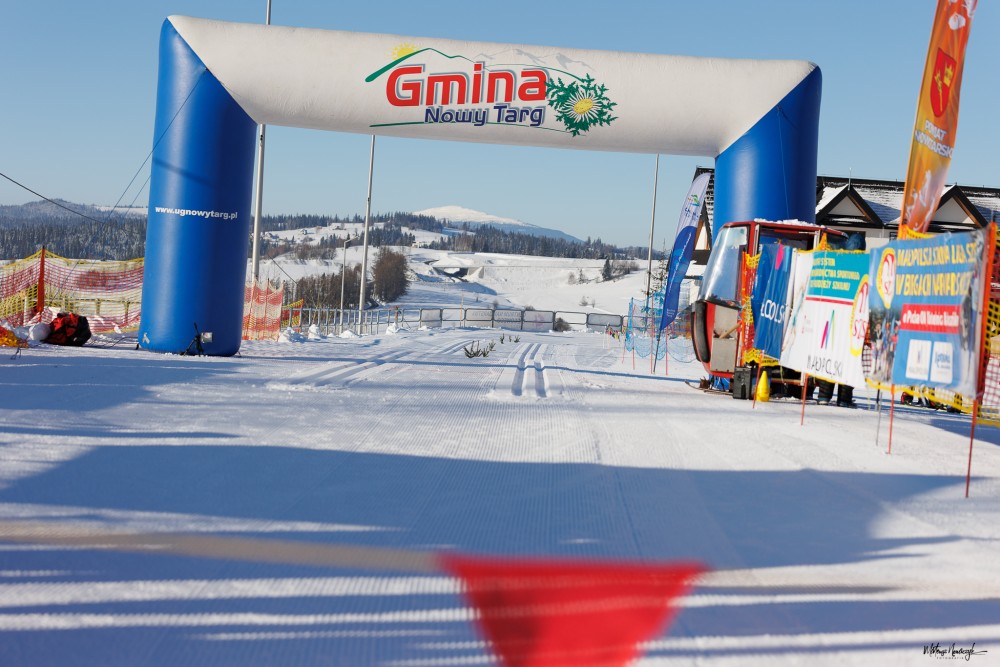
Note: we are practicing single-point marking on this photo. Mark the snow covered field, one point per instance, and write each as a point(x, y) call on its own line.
point(453, 279)
point(824, 549)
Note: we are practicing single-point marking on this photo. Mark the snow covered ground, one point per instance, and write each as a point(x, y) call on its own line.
point(453, 279)
point(823, 548)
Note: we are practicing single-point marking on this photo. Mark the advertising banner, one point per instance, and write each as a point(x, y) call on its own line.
point(827, 333)
point(937, 113)
point(770, 298)
point(680, 255)
point(795, 315)
point(488, 92)
point(925, 311)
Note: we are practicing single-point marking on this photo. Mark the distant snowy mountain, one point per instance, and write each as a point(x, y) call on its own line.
point(456, 216)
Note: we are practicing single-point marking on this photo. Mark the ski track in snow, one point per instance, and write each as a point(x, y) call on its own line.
point(825, 550)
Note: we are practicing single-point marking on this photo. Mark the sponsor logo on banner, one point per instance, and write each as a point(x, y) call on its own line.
point(773, 312)
point(944, 75)
point(859, 318)
point(931, 318)
point(885, 280)
point(824, 366)
point(918, 360)
point(473, 92)
point(942, 363)
point(827, 332)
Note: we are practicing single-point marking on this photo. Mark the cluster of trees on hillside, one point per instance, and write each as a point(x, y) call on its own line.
point(491, 239)
point(389, 282)
point(278, 223)
point(71, 230)
point(25, 229)
point(84, 239)
point(328, 248)
point(616, 268)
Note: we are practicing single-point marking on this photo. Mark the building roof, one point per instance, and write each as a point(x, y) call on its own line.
point(859, 204)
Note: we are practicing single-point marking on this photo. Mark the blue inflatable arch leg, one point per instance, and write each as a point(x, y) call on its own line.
point(199, 208)
point(770, 172)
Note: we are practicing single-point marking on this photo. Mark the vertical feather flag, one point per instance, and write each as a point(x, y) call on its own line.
point(937, 113)
point(680, 255)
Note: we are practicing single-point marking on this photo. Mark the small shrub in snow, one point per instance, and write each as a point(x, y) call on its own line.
point(473, 350)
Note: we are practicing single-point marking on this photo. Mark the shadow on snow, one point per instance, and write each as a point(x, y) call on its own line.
point(747, 519)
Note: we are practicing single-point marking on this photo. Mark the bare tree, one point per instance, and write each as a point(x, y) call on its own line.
point(389, 275)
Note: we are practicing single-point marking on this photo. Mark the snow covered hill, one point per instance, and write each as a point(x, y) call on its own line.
point(457, 216)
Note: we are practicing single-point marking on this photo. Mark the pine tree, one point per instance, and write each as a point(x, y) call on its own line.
point(661, 271)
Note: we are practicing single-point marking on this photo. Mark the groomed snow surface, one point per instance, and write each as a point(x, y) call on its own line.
point(824, 548)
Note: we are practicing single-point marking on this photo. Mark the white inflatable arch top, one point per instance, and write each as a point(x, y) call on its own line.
point(300, 77)
point(218, 80)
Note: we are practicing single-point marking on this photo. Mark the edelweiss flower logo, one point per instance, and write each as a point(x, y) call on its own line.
point(580, 105)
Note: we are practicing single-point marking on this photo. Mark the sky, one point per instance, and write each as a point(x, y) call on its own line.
point(79, 91)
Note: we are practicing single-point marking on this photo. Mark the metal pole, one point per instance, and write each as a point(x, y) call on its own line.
point(343, 283)
point(972, 439)
point(892, 413)
point(652, 223)
point(257, 198)
point(368, 211)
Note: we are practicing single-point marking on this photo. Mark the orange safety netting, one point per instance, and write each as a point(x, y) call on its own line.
point(19, 290)
point(108, 293)
point(263, 314)
point(291, 315)
point(262, 310)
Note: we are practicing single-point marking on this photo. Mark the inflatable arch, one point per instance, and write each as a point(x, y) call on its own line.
point(218, 80)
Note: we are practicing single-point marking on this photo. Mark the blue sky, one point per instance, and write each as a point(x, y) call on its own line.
point(79, 86)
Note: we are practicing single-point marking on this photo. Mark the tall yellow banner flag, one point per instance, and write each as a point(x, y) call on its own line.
point(937, 113)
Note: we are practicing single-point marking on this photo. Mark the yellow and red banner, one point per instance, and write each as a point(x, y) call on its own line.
point(937, 113)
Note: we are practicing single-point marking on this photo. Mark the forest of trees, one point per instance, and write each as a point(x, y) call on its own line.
point(281, 223)
point(93, 233)
point(491, 239)
point(327, 248)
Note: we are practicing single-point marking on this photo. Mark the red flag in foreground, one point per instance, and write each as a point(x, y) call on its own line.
point(570, 613)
